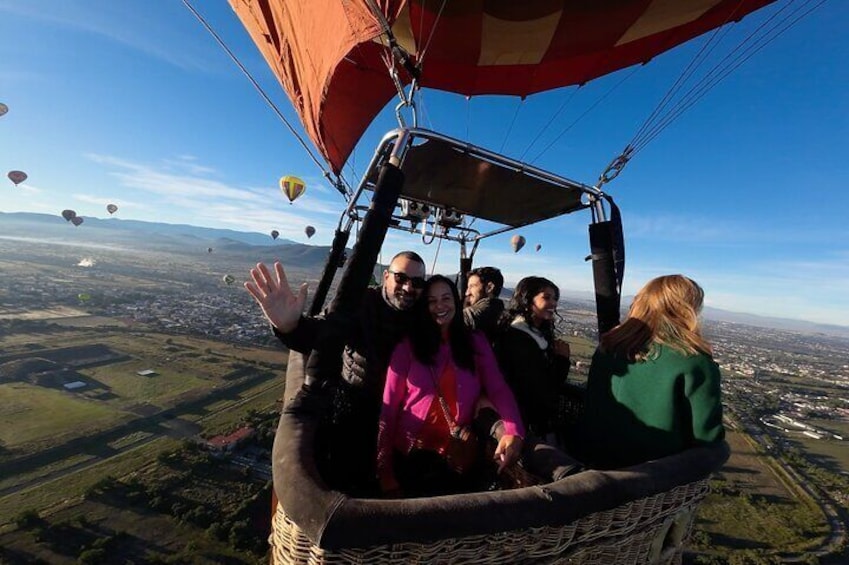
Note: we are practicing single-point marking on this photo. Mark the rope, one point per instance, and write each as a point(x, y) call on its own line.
point(436, 255)
point(695, 62)
point(339, 183)
point(512, 122)
point(432, 31)
point(566, 102)
point(763, 35)
point(585, 112)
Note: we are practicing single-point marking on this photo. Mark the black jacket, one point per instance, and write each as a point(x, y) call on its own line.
point(535, 375)
point(368, 339)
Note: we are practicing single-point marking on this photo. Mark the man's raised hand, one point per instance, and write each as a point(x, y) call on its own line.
point(280, 305)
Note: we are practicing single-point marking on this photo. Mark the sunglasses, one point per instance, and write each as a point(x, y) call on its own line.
point(403, 278)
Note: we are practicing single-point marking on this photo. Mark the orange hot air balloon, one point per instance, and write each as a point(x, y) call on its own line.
point(275, 234)
point(17, 177)
point(292, 187)
point(517, 242)
point(340, 81)
point(111, 208)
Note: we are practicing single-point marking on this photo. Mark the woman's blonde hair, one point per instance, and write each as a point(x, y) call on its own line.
point(664, 312)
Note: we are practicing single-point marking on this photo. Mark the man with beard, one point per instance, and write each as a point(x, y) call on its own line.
point(369, 338)
point(483, 308)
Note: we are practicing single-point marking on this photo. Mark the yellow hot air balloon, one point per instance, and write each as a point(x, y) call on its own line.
point(292, 187)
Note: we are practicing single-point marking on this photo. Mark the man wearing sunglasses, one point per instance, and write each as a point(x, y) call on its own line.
point(369, 339)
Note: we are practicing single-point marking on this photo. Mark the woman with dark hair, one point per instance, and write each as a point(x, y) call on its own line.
point(435, 379)
point(534, 361)
point(653, 388)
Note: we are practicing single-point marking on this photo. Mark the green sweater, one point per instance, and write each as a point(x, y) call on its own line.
point(635, 412)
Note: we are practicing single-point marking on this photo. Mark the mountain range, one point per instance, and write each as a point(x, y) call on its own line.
point(118, 231)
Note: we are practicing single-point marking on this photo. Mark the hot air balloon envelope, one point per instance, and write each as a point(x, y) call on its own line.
point(275, 234)
point(309, 230)
point(17, 177)
point(209, 250)
point(538, 247)
point(3, 109)
point(229, 279)
point(517, 242)
point(341, 82)
point(292, 187)
point(76, 220)
point(68, 215)
point(84, 297)
point(111, 208)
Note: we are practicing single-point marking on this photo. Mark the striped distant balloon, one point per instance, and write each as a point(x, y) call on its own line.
point(292, 187)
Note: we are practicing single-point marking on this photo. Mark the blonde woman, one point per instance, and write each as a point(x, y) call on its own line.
point(653, 387)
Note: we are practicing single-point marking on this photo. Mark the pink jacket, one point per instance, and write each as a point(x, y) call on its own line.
point(410, 390)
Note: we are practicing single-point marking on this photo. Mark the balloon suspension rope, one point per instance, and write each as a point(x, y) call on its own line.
point(339, 183)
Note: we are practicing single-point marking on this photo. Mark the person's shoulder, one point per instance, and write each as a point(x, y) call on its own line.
point(670, 354)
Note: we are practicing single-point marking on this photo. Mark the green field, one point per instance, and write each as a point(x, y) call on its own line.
point(754, 506)
point(56, 443)
point(36, 414)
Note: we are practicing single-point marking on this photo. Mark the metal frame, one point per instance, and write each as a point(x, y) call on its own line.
point(393, 148)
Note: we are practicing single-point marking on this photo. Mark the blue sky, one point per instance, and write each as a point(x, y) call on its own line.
point(133, 103)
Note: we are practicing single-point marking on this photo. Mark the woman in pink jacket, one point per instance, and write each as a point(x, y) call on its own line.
point(436, 377)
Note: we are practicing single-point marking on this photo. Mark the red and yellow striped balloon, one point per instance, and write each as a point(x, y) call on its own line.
point(292, 187)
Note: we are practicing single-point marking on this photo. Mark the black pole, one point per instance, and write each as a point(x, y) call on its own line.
point(337, 249)
point(361, 264)
point(324, 362)
point(463, 279)
point(607, 292)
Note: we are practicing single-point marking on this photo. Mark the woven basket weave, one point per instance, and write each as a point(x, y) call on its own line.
point(649, 530)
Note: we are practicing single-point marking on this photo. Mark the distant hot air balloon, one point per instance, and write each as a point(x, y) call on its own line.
point(275, 234)
point(3, 109)
point(77, 220)
point(83, 297)
point(517, 242)
point(111, 208)
point(68, 215)
point(310, 231)
point(209, 250)
point(228, 279)
point(538, 247)
point(17, 177)
point(292, 187)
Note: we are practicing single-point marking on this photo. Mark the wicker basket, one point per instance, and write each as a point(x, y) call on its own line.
point(642, 514)
point(649, 530)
